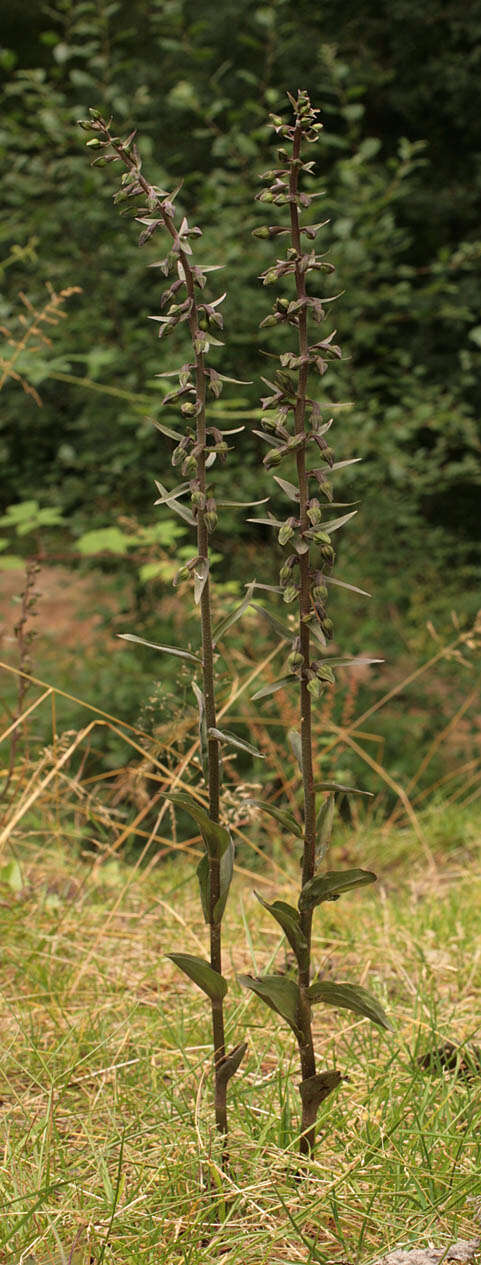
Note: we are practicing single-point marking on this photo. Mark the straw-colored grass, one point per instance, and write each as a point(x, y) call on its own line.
point(107, 1141)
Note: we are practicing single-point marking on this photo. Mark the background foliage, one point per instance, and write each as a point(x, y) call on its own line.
point(399, 92)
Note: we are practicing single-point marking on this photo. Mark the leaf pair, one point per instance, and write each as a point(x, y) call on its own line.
point(219, 848)
point(282, 995)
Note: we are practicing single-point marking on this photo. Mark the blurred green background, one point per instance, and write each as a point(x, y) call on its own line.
point(398, 85)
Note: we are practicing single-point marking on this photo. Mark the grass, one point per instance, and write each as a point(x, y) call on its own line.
point(107, 1146)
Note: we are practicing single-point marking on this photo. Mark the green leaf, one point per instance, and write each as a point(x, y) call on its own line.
point(182, 510)
point(167, 430)
point(203, 875)
point(285, 819)
point(294, 740)
point(335, 523)
point(11, 874)
point(234, 741)
point(11, 562)
point(287, 634)
point(19, 513)
point(316, 1088)
point(324, 823)
point(107, 539)
point(201, 574)
point(272, 688)
point(181, 654)
point(216, 837)
point(331, 885)
point(202, 727)
point(341, 465)
point(226, 870)
point(278, 992)
point(153, 570)
point(201, 973)
point(172, 496)
point(288, 918)
point(289, 488)
point(231, 619)
point(342, 584)
point(242, 504)
point(231, 1062)
point(344, 790)
point(267, 522)
point(350, 997)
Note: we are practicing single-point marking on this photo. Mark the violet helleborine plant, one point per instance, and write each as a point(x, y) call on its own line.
point(295, 425)
point(197, 448)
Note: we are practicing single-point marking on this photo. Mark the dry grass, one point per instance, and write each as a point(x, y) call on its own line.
point(107, 1144)
point(106, 1132)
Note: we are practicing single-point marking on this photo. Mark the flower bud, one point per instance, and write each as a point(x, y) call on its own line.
point(210, 519)
point(261, 232)
point(322, 538)
point(319, 592)
point(314, 512)
point(179, 451)
point(290, 593)
point(285, 571)
point(189, 466)
point(188, 409)
point(328, 554)
point(273, 457)
point(324, 672)
point(328, 455)
point(94, 143)
point(295, 661)
point(198, 498)
point(327, 628)
point(315, 686)
point(287, 530)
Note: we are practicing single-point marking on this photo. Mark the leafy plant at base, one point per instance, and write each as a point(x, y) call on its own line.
point(295, 425)
point(197, 448)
